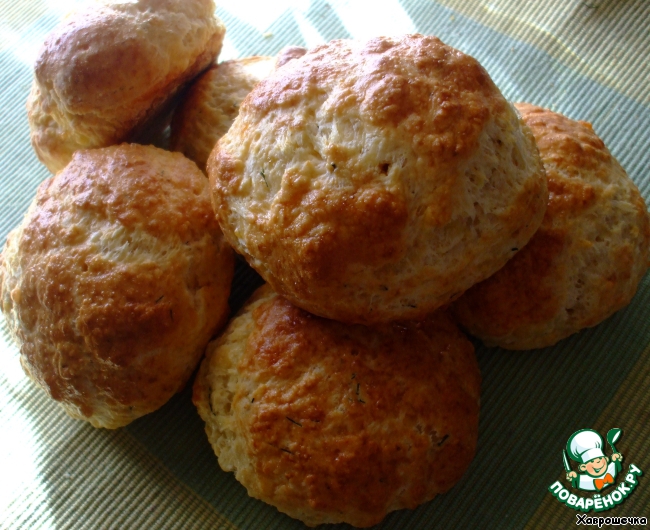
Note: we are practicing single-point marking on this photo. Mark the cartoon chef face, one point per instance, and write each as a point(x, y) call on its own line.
point(586, 447)
point(595, 467)
point(597, 471)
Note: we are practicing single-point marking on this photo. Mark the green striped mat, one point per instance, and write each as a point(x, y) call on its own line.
point(587, 59)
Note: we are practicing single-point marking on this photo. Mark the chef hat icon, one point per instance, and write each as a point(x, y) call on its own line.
point(585, 445)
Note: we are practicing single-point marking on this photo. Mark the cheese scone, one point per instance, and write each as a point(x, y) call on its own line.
point(586, 260)
point(376, 181)
point(212, 104)
point(115, 281)
point(106, 70)
point(332, 422)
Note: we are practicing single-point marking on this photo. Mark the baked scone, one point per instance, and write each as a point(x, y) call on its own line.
point(377, 181)
point(115, 281)
point(109, 68)
point(332, 422)
point(212, 104)
point(586, 260)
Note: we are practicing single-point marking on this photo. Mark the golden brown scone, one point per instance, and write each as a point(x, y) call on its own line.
point(212, 104)
point(332, 422)
point(115, 281)
point(107, 69)
point(371, 182)
point(586, 260)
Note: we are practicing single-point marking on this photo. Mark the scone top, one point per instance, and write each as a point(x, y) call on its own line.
point(376, 181)
point(107, 69)
point(115, 281)
point(331, 422)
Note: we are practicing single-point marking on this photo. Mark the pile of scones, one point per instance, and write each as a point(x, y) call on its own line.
point(385, 191)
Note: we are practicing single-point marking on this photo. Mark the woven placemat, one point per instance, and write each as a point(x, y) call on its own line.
point(586, 59)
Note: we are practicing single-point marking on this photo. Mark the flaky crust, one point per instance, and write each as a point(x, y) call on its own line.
point(212, 104)
point(369, 182)
point(332, 422)
point(109, 68)
point(115, 281)
point(586, 260)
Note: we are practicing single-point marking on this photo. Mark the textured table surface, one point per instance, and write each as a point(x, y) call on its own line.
point(586, 59)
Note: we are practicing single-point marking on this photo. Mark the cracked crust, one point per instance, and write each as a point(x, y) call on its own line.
point(115, 281)
point(331, 422)
point(369, 182)
point(586, 260)
point(106, 70)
